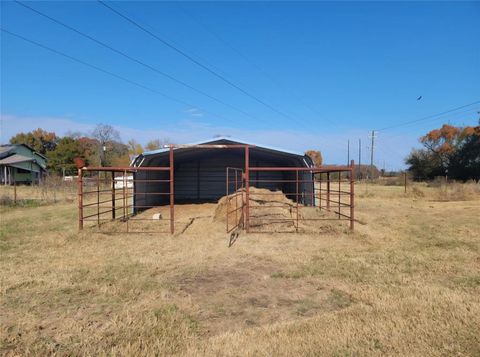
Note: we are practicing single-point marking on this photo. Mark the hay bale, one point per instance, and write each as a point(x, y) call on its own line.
point(266, 208)
point(271, 211)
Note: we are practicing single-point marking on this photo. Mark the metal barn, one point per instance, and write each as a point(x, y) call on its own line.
point(200, 172)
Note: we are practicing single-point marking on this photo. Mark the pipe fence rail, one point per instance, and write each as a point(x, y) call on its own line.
point(142, 199)
point(107, 194)
point(322, 187)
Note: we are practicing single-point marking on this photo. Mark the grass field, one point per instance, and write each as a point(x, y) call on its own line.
point(406, 282)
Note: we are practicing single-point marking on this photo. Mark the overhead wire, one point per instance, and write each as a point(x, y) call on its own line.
point(428, 117)
point(95, 67)
point(193, 60)
point(121, 53)
point(253, 64)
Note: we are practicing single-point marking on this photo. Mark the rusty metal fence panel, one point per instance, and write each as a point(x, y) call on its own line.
point(235, 199)
point(328, 190)
point(107, 200)
point(107, 196)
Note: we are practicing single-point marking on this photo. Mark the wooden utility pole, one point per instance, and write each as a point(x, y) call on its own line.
point(348, 152)
point(359, 158)
point(371, 154)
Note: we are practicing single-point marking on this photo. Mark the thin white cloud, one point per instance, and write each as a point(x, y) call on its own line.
point(333, 147)
point(194, 112)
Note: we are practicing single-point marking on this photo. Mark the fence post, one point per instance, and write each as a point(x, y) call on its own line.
point(15, 185)
point(319, 191)
point(98, 198)
point(247, 188)
point(80, 199)
point(113, 194)
point(172, 197)
point(297, 199)
point(352, 195)
point(405, 181)
point(328, 190)
point(339, 192)
point(124, 198)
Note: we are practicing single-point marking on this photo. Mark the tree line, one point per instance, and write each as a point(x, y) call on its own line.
point(449, 151)
point(102, 147)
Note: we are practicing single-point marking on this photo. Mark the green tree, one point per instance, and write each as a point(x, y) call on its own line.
point(423, 165)
point(449, 150)
point(61, 160)
point(465, 162)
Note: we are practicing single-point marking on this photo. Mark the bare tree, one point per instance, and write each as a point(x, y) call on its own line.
point(156, 144)
point(107, 136)
point(153, 145)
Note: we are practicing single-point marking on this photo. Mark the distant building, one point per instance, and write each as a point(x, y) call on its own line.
point(21, 164)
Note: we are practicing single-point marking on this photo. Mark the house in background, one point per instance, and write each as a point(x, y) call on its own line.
point(21, 164)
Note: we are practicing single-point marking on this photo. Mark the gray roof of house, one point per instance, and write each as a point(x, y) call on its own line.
point(15, 159)
point(5, 148)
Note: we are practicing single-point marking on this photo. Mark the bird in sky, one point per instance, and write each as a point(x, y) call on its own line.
point(419, 98)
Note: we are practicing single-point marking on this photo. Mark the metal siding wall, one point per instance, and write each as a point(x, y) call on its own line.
point(140, 188)
point(201, 178)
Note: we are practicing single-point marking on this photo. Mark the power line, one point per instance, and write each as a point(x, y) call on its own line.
point(193, 60)
point(134, 59)
point(252, 63)
point(105, 71)
point(442, 117)
point(428, 117)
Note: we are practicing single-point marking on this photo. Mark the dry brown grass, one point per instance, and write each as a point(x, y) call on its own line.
point(407, 282)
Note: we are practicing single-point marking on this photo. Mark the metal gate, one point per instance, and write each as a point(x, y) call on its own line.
point(107, 198)
point(235, 199)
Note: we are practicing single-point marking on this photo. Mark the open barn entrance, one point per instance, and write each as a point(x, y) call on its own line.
point(186, 174)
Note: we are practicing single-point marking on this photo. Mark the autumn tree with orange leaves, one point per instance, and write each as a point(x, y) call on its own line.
point(449, 150)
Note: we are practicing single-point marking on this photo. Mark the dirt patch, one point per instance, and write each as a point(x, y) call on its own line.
point(228, 298)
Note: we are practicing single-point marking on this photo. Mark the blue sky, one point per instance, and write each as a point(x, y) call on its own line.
point(335, 70)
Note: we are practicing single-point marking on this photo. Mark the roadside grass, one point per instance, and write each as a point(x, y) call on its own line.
point(406, 282)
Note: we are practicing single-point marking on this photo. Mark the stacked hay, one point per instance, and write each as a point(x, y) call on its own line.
point(269, 210)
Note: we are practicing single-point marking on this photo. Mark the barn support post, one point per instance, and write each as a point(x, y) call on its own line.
point(328, 190)
point(172, 187)
point(80, 199)
point(226, 194)
point(113, 194)
point(247, 189)
point(352, 194)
